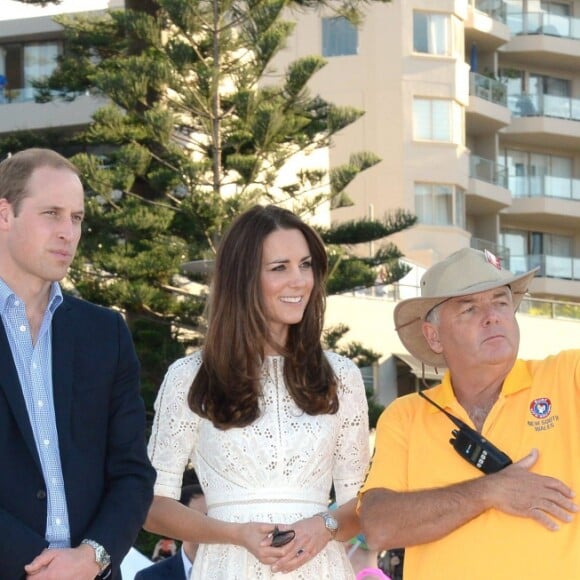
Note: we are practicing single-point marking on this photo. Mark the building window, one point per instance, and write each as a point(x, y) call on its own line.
point(540, 175)
point(431, 33)
point(437, 120)
point(553, 253)
point(21, 64)
point(440, 204)
point(339, 37)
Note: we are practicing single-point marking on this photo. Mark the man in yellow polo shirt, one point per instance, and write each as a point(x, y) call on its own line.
point(499, 501)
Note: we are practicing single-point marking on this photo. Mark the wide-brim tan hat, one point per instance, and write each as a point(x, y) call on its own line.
point(467, 271)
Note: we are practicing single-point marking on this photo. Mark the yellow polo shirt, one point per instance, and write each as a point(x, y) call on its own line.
point(539, 406)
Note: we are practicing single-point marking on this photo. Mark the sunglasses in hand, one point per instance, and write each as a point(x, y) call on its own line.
point(280, 538)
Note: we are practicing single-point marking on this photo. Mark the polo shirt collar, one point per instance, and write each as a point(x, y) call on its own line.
point(518, 378)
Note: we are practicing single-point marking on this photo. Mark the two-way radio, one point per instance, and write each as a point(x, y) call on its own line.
point(472, 446)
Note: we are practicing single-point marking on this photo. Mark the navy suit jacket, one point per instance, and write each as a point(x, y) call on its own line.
point(100, 419)
point(170, 568)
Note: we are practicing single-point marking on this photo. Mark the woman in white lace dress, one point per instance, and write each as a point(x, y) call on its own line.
point(270, 421)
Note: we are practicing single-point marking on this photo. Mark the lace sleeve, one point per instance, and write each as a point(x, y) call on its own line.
point(175, 427)
point(351, 456)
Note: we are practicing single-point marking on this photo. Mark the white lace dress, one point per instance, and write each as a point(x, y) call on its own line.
point(279, 469)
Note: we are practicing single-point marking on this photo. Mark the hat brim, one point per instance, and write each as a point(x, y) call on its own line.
point(410, 314)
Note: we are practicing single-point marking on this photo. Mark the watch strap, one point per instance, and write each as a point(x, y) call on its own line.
point(102, 557)
point(330, 523)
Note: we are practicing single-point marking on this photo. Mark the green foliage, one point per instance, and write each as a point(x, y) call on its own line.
point(362, 356)
point(349, 270)
point(192, 133)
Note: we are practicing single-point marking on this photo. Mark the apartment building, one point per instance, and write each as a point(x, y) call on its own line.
point(474, 107)
point(30, 43)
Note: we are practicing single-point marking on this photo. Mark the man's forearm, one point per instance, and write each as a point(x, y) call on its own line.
point(392, 519)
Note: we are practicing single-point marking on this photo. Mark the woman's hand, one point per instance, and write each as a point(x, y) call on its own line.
point(310, 539)
point(257, 539)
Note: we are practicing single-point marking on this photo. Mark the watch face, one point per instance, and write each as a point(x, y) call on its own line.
point(331, 523)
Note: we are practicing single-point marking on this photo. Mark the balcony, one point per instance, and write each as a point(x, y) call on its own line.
point(19, 112)
point(488, 171)
point(486, 25)
point(487, 111)
point(550, 266)
point(544, 39)
point(487, 192)
point(543, 105)
point(495, 9)
point(544, 121)
point(500, 251)
point(544, 186)
point(488, 89)
point(532, 23)
point(544, 201)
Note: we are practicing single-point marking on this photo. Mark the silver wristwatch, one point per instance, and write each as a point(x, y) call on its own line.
point(330, 522)
point(102, 557)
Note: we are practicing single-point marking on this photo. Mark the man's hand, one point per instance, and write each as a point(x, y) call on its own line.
point(65, 564)
point(519, 492)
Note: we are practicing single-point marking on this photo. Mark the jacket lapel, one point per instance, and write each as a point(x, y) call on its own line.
point(10, 384)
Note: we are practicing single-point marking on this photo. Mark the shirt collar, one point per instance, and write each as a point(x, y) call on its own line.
point(54, 298)
point(187, 563)
point(517, 379)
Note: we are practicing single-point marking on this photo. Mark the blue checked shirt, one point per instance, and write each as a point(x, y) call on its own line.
point(34, 366)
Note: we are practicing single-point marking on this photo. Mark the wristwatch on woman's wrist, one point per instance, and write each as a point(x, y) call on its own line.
point(330, 523)
point(102, 557)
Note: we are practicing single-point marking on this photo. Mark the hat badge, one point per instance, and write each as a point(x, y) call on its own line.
point(492, 259)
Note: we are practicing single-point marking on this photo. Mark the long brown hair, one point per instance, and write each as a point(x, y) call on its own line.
point(227, 388)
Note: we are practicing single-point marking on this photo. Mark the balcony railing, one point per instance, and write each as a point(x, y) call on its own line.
point(496, 9)
point(544, 186)
point(29, 95)
point(562, 267)
point(487, 88)
point(542, 105)
point(543, 23)
point(556, 309)
point(501, 252)
point(550, 308)
point(488, 171)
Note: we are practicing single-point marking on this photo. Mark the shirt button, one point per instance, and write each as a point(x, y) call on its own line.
point(58, 521)
point(41, 404)
point(17, 303)
point(41, 494)
point(22, 328)
point(46, 441)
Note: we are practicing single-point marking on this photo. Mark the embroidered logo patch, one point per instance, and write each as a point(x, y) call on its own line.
point(541, 408)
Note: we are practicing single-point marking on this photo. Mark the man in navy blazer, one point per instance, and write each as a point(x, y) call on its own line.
point(76, 483)
point(178, 567)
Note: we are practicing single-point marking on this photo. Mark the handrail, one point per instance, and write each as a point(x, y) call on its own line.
point(488, 89)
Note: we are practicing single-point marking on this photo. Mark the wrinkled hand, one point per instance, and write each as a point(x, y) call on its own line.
point(66, 564)
point(519, 492)
point(257, 539)
point(311, 537)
